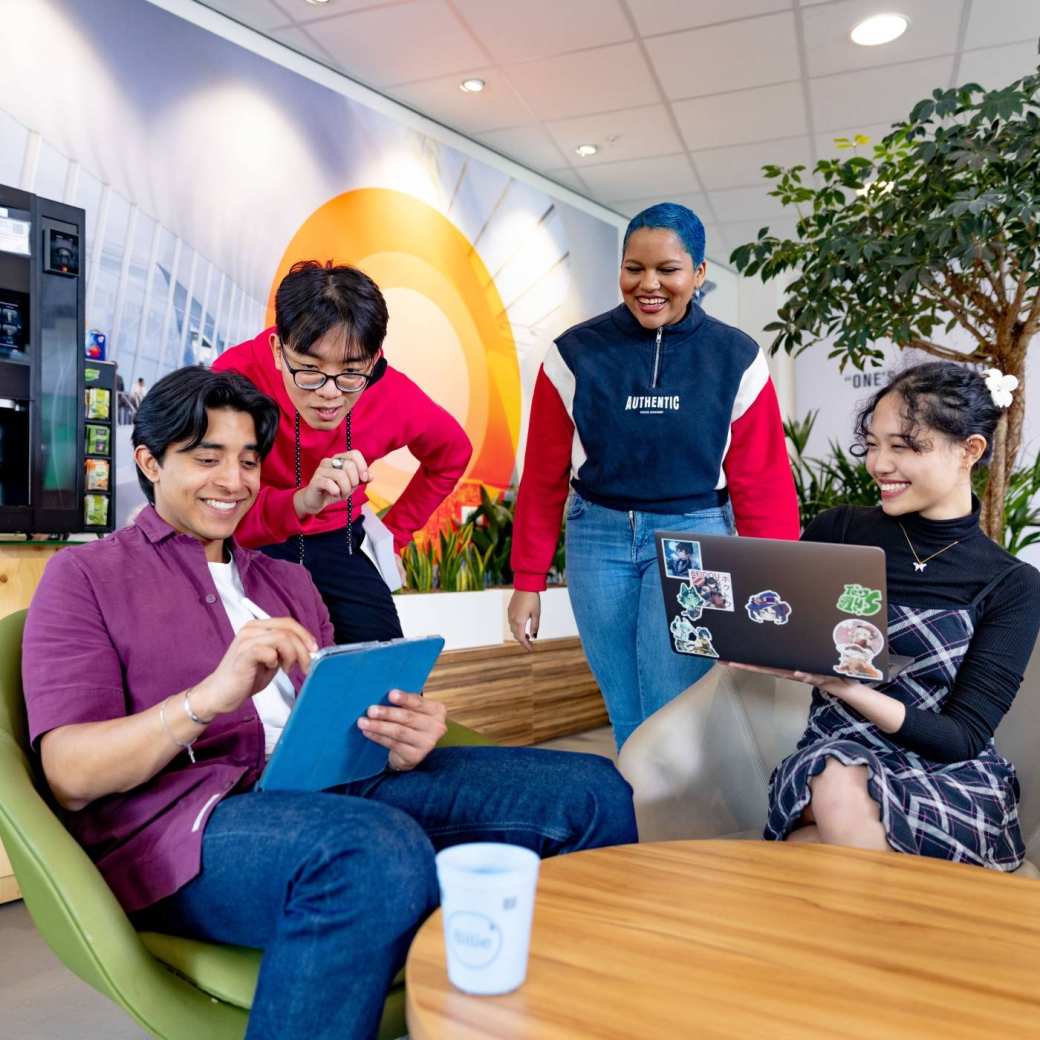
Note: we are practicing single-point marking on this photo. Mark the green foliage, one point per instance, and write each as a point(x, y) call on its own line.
point(473, 555)
point(822, 484)
point(937, 227)
point(1020, 517)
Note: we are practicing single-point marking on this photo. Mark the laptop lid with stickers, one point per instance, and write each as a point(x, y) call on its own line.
point(802, 606)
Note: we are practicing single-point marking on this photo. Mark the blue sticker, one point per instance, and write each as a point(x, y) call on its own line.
point(768, 606)
point(689, 638)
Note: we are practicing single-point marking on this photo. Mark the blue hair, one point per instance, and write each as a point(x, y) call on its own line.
point(671, 216)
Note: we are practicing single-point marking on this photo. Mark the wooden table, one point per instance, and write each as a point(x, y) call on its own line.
point(755, 940)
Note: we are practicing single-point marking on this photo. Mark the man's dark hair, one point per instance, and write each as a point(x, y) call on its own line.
point(315, 298)
point(175, 410)
point(939, 395)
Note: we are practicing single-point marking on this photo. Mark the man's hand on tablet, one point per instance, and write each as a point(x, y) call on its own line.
point(409, 726)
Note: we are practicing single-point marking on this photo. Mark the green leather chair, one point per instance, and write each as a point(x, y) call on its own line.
point(176, 989)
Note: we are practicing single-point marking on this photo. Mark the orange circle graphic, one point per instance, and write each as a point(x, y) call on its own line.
point(405, 244)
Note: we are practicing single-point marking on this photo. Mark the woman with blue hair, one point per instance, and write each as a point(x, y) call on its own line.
point(657, 417)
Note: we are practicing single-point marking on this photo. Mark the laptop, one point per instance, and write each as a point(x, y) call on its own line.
point(800, 606)
point(321, 745)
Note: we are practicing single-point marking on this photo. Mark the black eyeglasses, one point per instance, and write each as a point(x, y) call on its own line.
point(308, 379)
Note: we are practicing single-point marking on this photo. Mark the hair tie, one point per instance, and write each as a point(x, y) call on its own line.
point(1001, 387)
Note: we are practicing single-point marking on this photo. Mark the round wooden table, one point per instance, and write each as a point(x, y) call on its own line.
point(754, 939)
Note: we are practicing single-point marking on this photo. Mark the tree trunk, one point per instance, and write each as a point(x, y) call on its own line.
point(1007, 440)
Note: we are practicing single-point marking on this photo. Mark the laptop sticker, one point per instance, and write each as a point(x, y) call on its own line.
point(768, 606)
point(857, 599)
point(858, 643)
point(691, 601)
point(690, 638)
point(681, 557)
point(714, 587)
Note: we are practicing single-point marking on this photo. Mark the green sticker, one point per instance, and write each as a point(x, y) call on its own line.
point(857, 599)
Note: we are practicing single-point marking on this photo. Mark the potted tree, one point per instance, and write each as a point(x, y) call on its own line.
point(936, 230)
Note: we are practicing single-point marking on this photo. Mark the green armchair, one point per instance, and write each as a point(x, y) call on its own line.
point(176, 989)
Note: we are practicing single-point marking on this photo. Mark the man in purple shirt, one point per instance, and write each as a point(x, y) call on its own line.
point(158, 662)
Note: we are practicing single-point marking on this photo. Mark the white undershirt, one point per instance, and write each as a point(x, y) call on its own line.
point(274, 702)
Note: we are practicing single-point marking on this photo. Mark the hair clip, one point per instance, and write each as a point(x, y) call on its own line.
point(1001, 387)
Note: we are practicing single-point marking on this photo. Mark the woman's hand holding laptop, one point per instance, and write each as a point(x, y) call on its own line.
point(410, 727)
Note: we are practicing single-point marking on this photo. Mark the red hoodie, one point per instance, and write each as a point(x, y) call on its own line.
point(392, 413)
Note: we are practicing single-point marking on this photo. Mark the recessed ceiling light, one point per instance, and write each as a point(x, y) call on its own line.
point(880, 28)
point(585, 150)
point(472, 86)
point(317, 3)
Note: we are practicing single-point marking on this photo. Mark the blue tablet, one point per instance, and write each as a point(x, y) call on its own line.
point(321, 745)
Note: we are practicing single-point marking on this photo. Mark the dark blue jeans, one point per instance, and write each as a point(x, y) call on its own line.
point(333, 886)
point(360, 605)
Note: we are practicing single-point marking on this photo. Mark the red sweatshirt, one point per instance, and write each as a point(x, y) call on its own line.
point(392, 413)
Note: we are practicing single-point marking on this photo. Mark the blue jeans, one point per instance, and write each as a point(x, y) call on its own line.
point(615, 591)
point(332, 886)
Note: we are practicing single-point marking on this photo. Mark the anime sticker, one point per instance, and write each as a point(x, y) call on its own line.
point(768, 607)
point(715, 588)
point(681, 557)
point(857, 599)
point(691, 602)
point(690, 638)
point(858, 643)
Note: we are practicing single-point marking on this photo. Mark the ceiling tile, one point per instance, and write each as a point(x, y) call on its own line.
point(383, 45)
point(637, 133)
point(529, 145)
point(257, 14)
point(933, 31)
point(742, 117)
point(630, 207)
point(634, 179)
point(305, 13)
point(600, 80)
point(745, 204)
point(875, 95)
point(568, 178)
point(1002, 21)
point(742, 54)
point(495, 107)
point(535, 28)
point(662, 16)
point(301, 42)
point(998, 66)
point(741, 166)
point(827, 149)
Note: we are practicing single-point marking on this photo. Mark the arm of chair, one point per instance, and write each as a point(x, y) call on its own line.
point(460, 736)
point(695, 767)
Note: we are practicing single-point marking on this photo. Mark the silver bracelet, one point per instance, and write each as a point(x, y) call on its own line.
point(169, 733)
point(191, 714)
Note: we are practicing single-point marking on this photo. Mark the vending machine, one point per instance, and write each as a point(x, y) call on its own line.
point(44, 433)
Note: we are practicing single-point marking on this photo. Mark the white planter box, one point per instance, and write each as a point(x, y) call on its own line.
point(471, 619)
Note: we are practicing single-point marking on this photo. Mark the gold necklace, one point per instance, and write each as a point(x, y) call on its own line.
point(919, 564)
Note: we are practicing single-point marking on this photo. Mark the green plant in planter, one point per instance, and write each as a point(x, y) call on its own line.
point(492, 523)
point(419, 564)
point(937, 230)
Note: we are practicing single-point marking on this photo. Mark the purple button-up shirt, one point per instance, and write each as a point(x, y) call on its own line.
point(115, 627)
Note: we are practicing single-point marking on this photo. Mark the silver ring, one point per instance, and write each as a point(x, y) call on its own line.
point(336, 463)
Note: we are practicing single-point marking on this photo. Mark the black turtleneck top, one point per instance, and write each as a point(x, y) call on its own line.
point(1001, 592)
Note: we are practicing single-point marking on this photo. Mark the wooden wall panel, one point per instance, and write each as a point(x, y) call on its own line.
point(518, 698)
point(21, 565)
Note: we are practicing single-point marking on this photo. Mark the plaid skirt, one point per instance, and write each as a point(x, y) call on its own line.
point(961, 811)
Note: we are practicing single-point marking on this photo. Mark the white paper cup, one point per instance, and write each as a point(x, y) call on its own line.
point(487, 899)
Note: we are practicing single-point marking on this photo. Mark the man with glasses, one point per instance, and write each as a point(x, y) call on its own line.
point(341, 408)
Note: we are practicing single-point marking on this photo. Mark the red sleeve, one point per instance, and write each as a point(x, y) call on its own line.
point(543, 488)
point(758, 472)
point(271, 518)
point(440, 444)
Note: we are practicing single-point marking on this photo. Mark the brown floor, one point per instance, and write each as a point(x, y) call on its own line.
point(40, 999)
